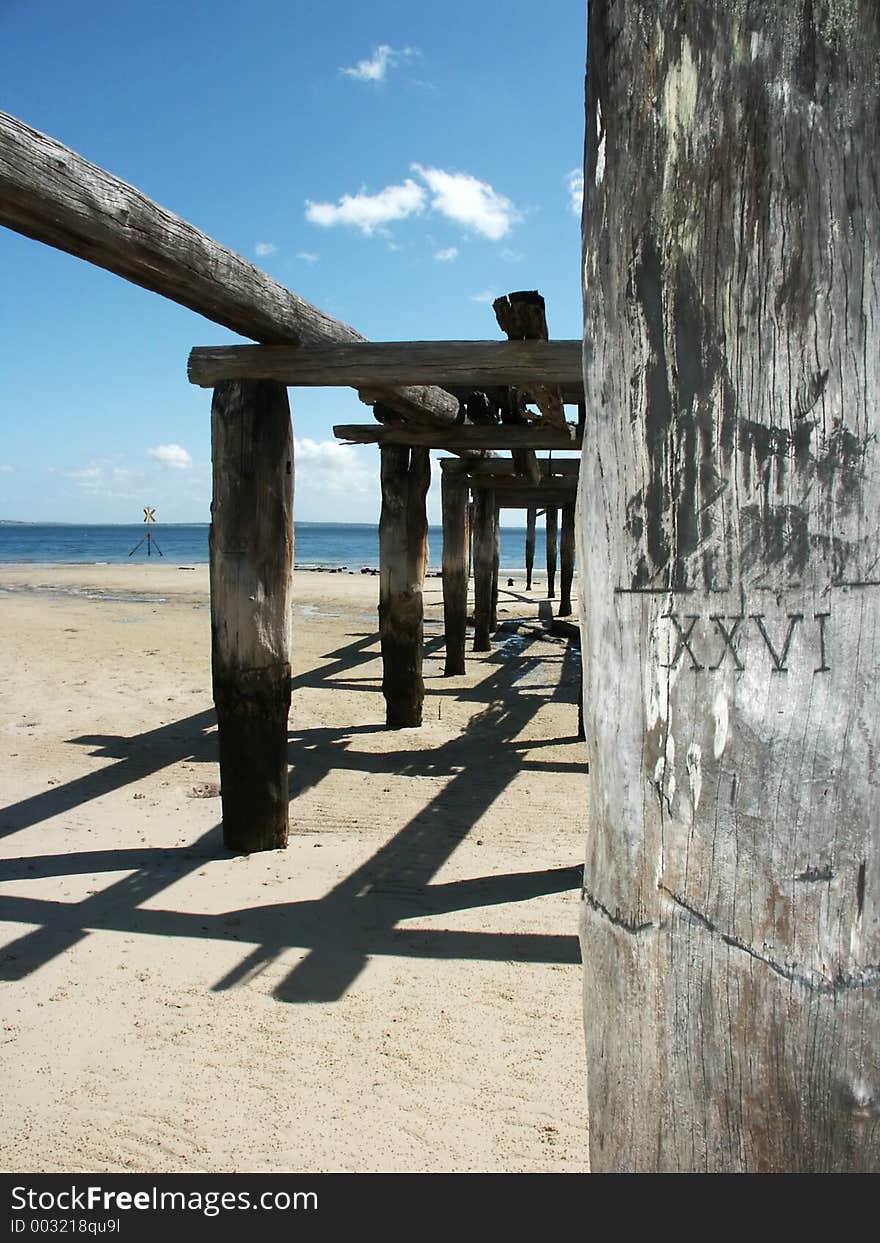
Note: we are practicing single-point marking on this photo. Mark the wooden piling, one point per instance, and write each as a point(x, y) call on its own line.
point(566, 557)
point(728, 570)
point(484, 561)
point(456, 542)
point(552, 521)
point(496, 559)
point(531, 514)
point(403, 556)
point(251, 562)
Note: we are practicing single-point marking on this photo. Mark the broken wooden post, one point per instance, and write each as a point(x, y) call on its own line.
point(566, 557)
point(551, 518)
point(403, 557)
point(531, 514)
point(456, 542)
point(730, 592)
point(484, 561)
point(251, 561)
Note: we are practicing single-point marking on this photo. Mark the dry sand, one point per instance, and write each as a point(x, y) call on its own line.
point(398, 991)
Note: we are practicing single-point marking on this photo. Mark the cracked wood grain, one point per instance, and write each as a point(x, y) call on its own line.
point(731, 597)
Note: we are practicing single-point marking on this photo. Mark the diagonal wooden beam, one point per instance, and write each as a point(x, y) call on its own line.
point(54, 195)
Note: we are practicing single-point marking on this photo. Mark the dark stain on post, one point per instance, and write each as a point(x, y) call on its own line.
point(658, 416)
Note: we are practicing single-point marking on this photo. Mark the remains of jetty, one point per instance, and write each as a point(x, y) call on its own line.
point(475, 399)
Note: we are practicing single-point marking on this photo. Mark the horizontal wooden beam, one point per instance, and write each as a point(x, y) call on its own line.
point(465, 364)
point(492, 436)
point(553, 468)
point(50, 193)
point(508, 483)
point(526, 497)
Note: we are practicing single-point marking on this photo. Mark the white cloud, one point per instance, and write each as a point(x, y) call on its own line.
point(6, 469)
point(327, 466)
point(102, 477)
point(93, 471)
point(447, 255)
point(173, 456)
point(264, 248)
point(488, 295)
point(469, 202)
point(460, 197)
point(307, 256)
point(375, 68)
point(369, 212)
point(575, 185)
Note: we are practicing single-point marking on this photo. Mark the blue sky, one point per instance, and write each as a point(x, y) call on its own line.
point(396, 163)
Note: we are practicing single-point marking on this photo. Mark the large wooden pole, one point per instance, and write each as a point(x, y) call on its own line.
point(730, 595)
point(551, 519)
point(403, 557)
point(531, 515)
point(251, 561)
point(456, 541)
point(566, 558)
point(484, 561)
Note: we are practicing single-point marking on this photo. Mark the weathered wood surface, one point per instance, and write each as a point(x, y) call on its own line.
point(50, 193)
point(513, 412)
point(566, 559)
point(251, 560)
point(729, 544)
point(547, 492)
point(522, 316)
point(531, 516)
point(551, 519)
point(456, 545)
point(403, 558)
point(522, 497)
point(557, 470)
point(464, 364)
point(484, 531)
point(463, 436)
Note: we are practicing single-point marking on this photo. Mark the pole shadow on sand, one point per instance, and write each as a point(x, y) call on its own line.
point(359, 917)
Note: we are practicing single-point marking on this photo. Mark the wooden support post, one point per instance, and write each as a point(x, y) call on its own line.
point(484, 560)
point(496, 558)
point(531, 514)
point(403, 556)
point(470, 539)
point(456, 543)
point(566, 556)
point(251, 562)
point(730, 913)
point(552, 521)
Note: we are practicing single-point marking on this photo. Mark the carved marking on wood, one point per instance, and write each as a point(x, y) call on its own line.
point(693, 635)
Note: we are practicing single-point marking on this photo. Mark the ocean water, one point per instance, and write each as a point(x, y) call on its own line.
point(353, 545)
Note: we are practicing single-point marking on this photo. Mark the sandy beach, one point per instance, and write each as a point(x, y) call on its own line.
point(399, 990)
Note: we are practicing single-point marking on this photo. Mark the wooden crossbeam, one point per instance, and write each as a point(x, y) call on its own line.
point(494, 436)
point(522, 496)
point(369, 364)
point(501, 470)
point(514, 483)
